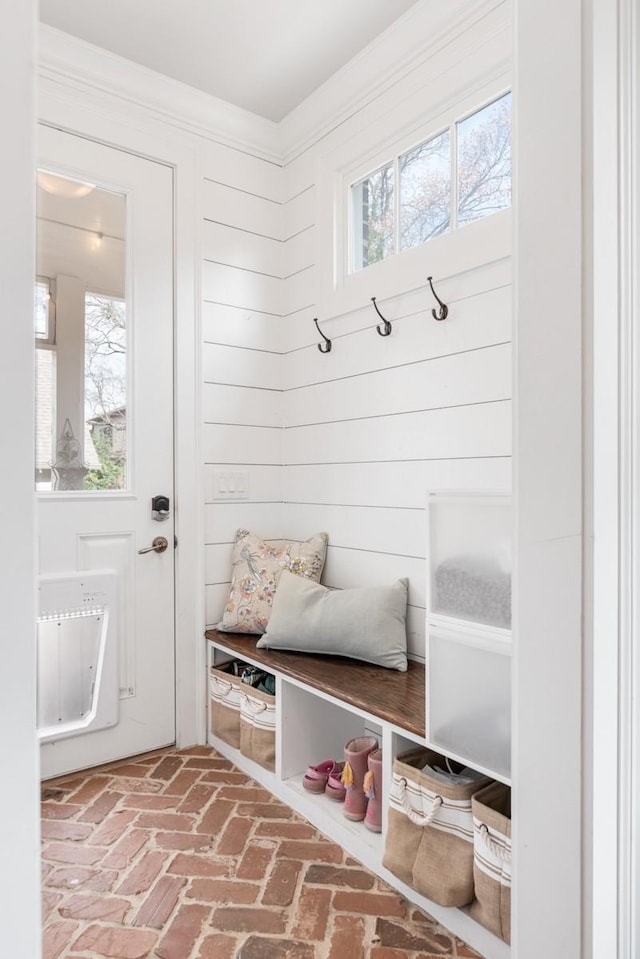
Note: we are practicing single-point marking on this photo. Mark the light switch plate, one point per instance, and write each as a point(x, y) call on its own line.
point(230, 485)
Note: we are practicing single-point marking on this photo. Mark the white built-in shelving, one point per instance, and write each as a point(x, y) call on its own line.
point(312, 724)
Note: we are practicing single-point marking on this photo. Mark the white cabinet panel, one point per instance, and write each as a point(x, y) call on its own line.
point(469, 549)
point(469, 699)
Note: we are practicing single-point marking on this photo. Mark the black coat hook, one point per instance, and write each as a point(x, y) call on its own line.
point(327, 347)
point(387, 324)
point(443, 312)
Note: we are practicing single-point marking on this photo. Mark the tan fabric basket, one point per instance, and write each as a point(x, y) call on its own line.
point(429, 843)
point(258, 727)
point(226, 693)
point(492, 859)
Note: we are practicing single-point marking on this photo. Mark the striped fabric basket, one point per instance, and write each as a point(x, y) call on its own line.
point(429, 843)
point(258, 727)
point(226, 693)
point(492, 859)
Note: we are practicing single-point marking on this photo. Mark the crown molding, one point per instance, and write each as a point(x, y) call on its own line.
point(78, 65)
point(410, 41)
point(403, 48)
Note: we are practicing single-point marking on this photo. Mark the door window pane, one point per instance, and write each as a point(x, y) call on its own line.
point(372, 209)
point(81, 359)
point(105, 374)
point(43, 310)
point(425, 191)
point(484, 161)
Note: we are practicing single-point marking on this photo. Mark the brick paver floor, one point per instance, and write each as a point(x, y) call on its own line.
point(178, 855)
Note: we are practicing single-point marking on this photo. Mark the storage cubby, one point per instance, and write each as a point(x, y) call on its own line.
point(313, 729)
point(469, 703)
point(321, 703)
point(469, 550)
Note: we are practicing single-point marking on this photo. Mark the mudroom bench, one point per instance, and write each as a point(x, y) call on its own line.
point(320, 703)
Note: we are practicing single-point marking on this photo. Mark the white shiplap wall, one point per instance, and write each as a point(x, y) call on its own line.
point(378, 421)
point(351, 441)
point(242, 364)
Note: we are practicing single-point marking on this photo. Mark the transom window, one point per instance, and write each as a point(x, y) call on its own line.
point(458, 175)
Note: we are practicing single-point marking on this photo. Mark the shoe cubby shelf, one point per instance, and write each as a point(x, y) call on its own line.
point(321, 703)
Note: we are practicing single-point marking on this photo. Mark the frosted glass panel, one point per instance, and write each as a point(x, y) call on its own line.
point(470, 700)
point(470, 559)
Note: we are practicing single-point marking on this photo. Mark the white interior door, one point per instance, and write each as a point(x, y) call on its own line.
point(104, 450)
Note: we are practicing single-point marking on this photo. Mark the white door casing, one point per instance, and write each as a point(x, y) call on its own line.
point(87, 530)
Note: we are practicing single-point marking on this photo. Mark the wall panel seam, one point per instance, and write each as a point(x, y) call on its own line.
point(380, 416)
point(244, 269)
point(412, 459)
point(238, 189)
point(242, 229)
point(293, 236)
point(395, 366)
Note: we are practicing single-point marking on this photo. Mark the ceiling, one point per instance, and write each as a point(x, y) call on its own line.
point(263, 55)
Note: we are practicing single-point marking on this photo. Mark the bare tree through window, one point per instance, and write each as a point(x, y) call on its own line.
point(425, 191)
point(433, 179)
point(373, 217)
point(484, 161)
point(106, 388)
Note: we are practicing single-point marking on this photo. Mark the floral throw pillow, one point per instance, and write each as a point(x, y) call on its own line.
point(256, 568)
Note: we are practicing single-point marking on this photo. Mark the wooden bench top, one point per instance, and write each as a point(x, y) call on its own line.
point(397, 698)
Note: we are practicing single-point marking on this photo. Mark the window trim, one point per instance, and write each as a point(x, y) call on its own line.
point(454, 118)
point(338, 292)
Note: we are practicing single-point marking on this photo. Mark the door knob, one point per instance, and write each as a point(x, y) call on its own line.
point(159, 545)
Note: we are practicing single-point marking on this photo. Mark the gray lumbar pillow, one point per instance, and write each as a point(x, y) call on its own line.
point(367, 624)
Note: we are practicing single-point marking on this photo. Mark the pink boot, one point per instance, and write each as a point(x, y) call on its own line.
point(356, 754)
point(372, 789)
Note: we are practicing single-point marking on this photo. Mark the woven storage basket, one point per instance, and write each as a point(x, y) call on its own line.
point(492, 859)
point(226, 693)
point(429, 843)
point(258, 727)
